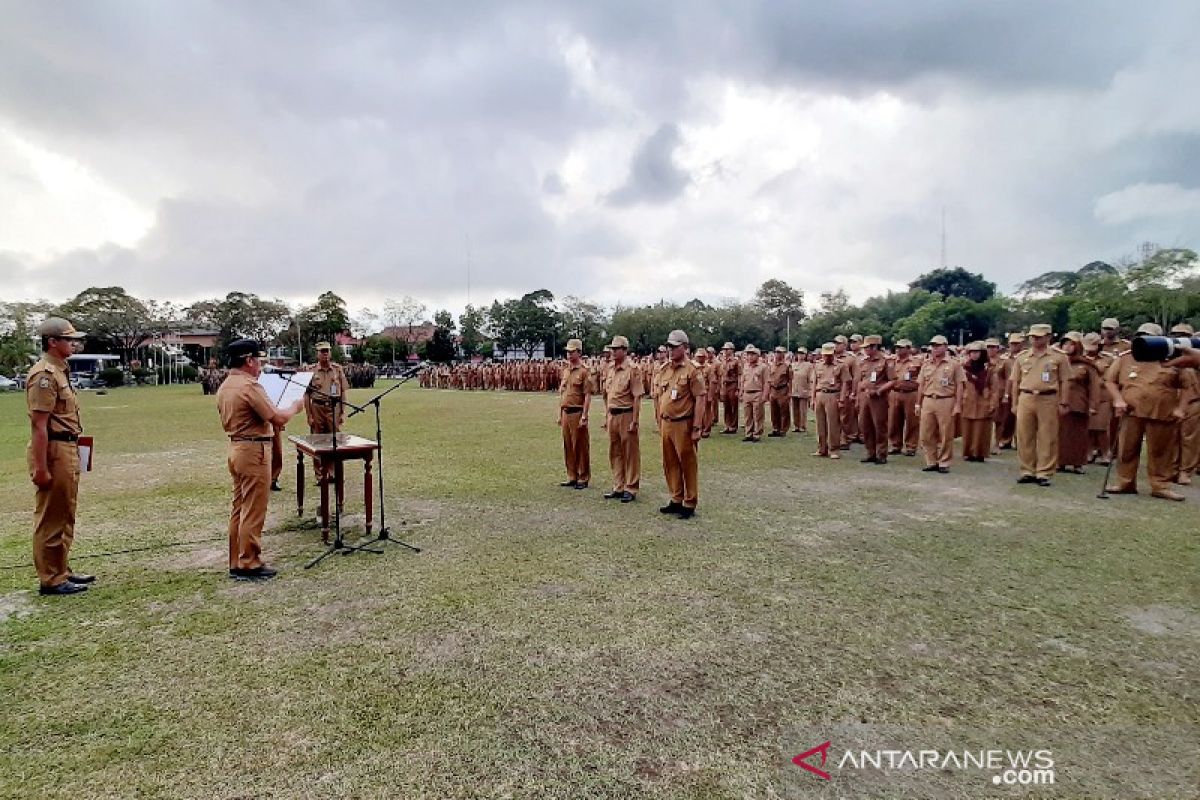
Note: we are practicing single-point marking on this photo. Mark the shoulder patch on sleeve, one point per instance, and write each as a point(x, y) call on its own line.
point(44, 382)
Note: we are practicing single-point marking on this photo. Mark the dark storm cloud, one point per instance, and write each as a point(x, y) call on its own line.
point(287, 145)
point(653, 176)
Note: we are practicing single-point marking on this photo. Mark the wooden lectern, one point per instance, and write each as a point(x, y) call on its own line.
point(319, 447)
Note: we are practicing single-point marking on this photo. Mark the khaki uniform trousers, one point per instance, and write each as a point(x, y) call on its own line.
point(577, 453)
point(250, 466)
point(873, 423)
point(937, 430)
point(1006, 424)
point(624, 454)
point(1160, 468)
point(729, 397)
point(753, 410)
point(1189, 440)
point(903, 426)
point(800, 414)
point(712, 402)
point(848, 417)
point(276, 455)
point(54, 513)
point(680, 464)
point(829, 423)
point(977, 437)
point(781, 415)
point(1037, 434)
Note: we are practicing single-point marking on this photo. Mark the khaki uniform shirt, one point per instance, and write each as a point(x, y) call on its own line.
point(1083, 386)
point(318, 407)
point(802, 376)
point(779, 377)
point(830, 378)
point(623, 386)
point(729, 371)
point(48, 389)
point(246, 411)
point(1045, 373)
point(873, 373)
point(941, 379)
point(753, 381)
point(1150, 389)
point(906, 371)
point(679, 387)
point(1117, 347)
point(982, 404)
point(574, 386)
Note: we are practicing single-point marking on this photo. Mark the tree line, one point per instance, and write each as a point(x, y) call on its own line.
point(1159, 285)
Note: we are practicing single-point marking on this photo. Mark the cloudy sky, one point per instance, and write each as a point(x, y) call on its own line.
point(615, 150)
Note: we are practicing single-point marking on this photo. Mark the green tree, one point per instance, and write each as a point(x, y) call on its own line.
point(112, 318)
point(586, 321)
point(472, 324)
point(956, 282)
point(781, 307)
point(440, 347)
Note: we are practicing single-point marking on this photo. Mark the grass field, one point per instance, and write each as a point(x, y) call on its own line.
point(547, 644)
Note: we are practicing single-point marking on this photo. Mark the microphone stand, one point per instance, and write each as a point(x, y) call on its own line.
point(335, 402)
point(385, 533)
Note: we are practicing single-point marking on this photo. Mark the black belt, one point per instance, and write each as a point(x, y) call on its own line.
point(903, 391)
point(1038, 392)
point(677, 419)
point(830, 391)
point(251, 438)
point(573, 409)
point(55, 436)
point(939, 397)
point(615, 411)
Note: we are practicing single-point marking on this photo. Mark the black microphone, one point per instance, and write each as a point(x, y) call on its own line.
point(1160, 348)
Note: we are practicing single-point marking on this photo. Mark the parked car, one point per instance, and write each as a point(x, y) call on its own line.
point(8, 384)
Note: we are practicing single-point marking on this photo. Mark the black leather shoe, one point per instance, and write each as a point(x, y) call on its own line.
point(932, 468)
point(257, 574)
point(81, 578)
point(774, 434)
point(686, 513)
point(747, 438)
point(882, 460)
point(613, 495)
point(581, 485)
point(628, 497)
point(1026, 479)
point(568, 484)
point(1043, 481)
point(944, 470)
point(868, 460)
point(65, 587)
point(275, 487)
point(671, 508)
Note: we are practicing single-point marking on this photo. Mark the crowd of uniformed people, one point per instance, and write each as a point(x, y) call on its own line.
point(1060, 401)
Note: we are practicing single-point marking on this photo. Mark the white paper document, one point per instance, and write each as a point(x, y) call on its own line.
point(285, 388)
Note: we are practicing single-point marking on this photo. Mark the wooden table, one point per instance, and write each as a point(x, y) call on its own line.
point(319, 447)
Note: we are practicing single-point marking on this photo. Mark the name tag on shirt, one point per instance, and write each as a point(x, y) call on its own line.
point(873, 376)
point(908, 376)
point(674, 394)
point(1046, 376)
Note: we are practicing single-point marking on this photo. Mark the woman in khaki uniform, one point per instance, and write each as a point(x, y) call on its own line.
point(1083, 388)
point(980, 398)
point(1099, 423)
